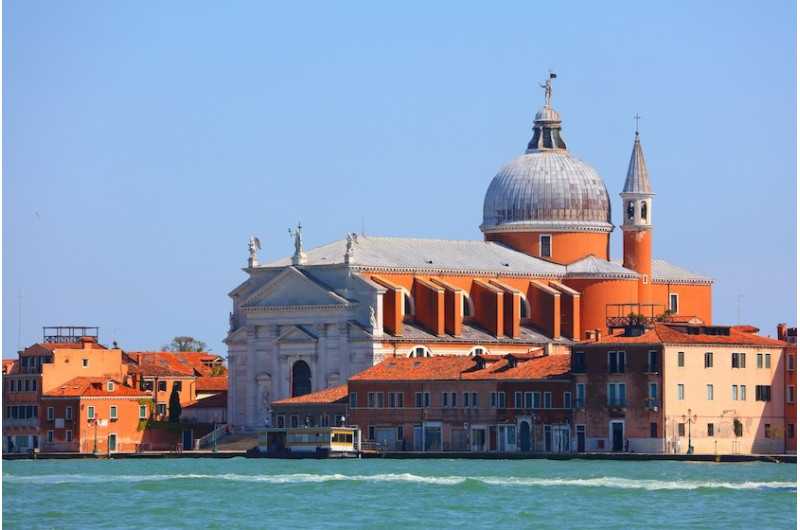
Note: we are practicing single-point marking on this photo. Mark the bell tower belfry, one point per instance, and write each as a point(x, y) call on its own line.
point(637, 227)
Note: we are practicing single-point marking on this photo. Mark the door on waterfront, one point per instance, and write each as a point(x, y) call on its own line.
point(112, 442)
point(581, 430)
point(525, 436)
point(493, 438)
point(617, 435)
point(186, 438)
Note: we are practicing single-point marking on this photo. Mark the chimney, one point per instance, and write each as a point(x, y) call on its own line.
point(782, 331)
point(548, 348)
point(597, 335)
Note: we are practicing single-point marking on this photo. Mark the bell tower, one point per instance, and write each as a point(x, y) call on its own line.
point(637, 228)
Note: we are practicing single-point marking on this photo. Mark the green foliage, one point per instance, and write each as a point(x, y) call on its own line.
point(737, 427)
point(174, 407)
point(183, 343)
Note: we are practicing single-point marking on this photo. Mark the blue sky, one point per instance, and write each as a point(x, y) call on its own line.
point(145, 142)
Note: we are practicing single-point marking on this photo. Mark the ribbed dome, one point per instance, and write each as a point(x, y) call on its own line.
point(546, 190)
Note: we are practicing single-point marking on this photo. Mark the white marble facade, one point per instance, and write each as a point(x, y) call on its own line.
point(326, 317)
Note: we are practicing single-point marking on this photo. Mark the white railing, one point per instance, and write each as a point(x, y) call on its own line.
point(205, 440)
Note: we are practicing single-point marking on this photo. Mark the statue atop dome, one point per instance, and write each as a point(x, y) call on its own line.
point(548, 89)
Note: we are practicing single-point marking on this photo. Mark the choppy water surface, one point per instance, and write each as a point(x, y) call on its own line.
point(261, 493)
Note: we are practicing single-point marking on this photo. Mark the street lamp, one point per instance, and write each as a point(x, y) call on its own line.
point(690, 419)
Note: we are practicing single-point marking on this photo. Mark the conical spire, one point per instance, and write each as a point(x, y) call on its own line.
point(637, 180)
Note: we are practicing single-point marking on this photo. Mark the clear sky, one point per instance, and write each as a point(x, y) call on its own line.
point(145, 142)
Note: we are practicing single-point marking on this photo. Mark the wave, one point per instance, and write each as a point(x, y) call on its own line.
point(450, 480)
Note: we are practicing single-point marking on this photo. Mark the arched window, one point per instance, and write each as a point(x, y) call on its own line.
point(420, 351)
point(301, 379)
point(630, 209)
point(478, 350)
point(644, 210)
point(524, 308)
point(408, 304)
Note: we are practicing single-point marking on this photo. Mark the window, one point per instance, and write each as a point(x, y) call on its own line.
point(790, 363)
point(680, 359)
point(517, 400)
point(465, 399)
point(616, 394)
point(652, 395)
point(710, 392)
point(616, 362)
point(681, 429)
point(390, 403)
point(579, 362)
point(142, 412)
point(709, 360)
point(644, 278)
point(68, 435)
point(353, 400)
point(280, 421)
point(548, 400)
point(474, 399)
point(371, 400)
point(537, 400)
point(680, 391)
point(791, 430)
point(161, 409)
point(790, 394)
point(763, 393)
point(68, 413)
point(493, 399)
point(50, 414)
point(110, 386)
point(85, 363)
point(544, 246)
point(567, 400)
point(735, 392)
point(371, 432)
point(113, 412)
point(34, 385)
point(27, 385)
point(294, 420)
point(710, 429)
point(49, 436)
point(737, 360)
point(501, 400)
point(90, 412)
point(422, 399)
point(759, 360)
point(741, 393)
point(673, 302)
point(767, 360)
point(653, 430)
point(580, 391)
point(652, 362)
point(528, 400)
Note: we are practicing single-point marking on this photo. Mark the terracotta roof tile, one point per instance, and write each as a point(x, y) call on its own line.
point(92, 387)
point(664, 334)
point(329, 395)
point(211, 384)
point(452, 367)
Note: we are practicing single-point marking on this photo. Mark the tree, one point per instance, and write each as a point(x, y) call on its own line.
point(185, 344)
point(174, 406)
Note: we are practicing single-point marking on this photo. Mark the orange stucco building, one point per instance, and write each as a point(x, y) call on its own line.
point(541, 277)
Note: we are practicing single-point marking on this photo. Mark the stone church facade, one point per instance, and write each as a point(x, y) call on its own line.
point(542, 278)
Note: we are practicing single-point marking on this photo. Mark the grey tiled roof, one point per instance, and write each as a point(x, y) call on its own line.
point(471, 333)
point(594, 266)
point(665, 272)
point(411, 254)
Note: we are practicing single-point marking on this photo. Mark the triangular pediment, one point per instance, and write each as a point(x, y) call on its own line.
point(297, 334)
point(292, 288)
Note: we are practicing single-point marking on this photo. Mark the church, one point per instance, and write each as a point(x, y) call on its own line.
point(541, 279)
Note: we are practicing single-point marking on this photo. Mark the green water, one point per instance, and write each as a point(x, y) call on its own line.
point(376, 493)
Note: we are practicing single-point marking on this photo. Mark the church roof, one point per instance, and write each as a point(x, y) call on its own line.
point(666, 272)
point(637, 180)
point(413, 254)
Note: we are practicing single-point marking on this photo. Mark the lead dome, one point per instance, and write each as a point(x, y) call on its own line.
point(547, 188)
